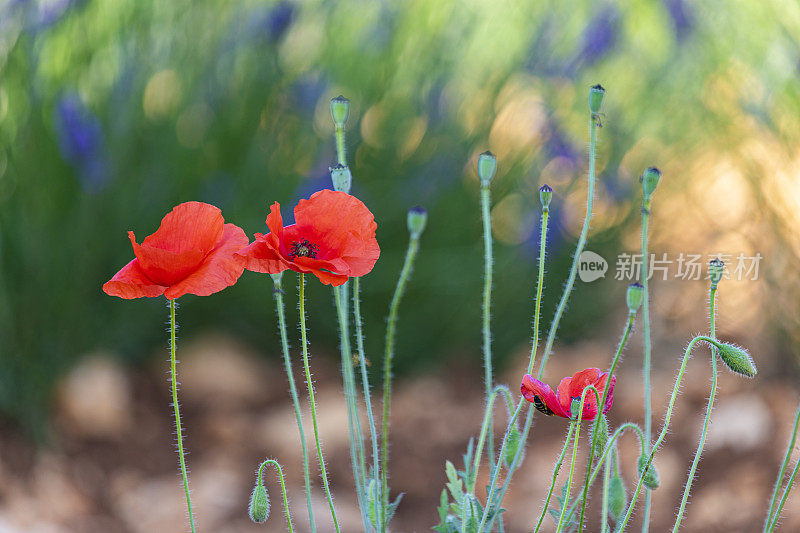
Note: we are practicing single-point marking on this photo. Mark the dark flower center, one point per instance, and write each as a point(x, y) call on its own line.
point(541, 406)
point(303, 248)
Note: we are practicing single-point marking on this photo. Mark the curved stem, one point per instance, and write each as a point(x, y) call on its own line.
point(391, 327)
point(709, 407)
point(301, 284)
point(648, 346)
point(556, 470)
point(357, 459)
point(562, 304)
point(782, 472)
point(176, 406)
point(281, 308)
point(622, 343)
point(667, 419)
point(259, 482)
point(362, 360)
point(488, 260)
point(487, 415)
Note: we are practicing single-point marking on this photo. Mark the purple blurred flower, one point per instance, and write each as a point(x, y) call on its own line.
point(600, 35)
point(81, 141)
point(272, 22)
point(680, 13)
point(559, 146)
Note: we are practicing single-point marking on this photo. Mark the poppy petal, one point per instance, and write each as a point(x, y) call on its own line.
point(189, 226)
point(610, 394)
point(165, 267)
point(342, 226)
point(542, 396)
point(219, 269)
point(262, 256)
point(275, 220)
point(130, 282)
point(581, 380)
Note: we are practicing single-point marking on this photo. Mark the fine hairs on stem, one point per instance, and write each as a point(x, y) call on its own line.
point(176, 406)
point(260, 497)
point(287, 361)
point(301, 288)
point(772, 516)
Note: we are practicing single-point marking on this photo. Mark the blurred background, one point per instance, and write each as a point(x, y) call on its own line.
point(114, 111)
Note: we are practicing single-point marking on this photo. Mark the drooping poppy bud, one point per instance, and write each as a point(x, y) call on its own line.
point(487, 166)
point(650, 180)
point(340, 110)
point(341, 177)
point(650, 479)
point(617, 497)
point(601, 435)
point(545, 195)
point(737, 359)
point(417, 219)
point(635, 296)
point(259, 503)
point(596, 95)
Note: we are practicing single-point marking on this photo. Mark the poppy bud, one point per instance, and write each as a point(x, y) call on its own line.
point(596, 94)
point(617, 497)
point(259, 503)
point(650, 478)
point(545, 195)
point(575, 408)
point(417, 218)
point(635, 296)
point(601, 435)
point(341, 177)
point(487, 166)
point(340, 110)
point(650, 180)
point(512, 446)
point(715, 269)
point(737, 359)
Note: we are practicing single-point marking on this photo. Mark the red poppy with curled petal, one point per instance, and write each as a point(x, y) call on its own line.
point(191, 253)
point(560, 402)
point(333, 237)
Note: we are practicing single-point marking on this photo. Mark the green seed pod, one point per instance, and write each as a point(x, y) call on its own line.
point(575, 408)
point(596, 94)
point(601, 436)
point(341, 177)
point(650, 180)
point(545, 195)
point(737, 359)
point(487, 166)
point(651, 479)
point(259, 504)
point(715, 269)
point(617, 497)
point(417, 219)
point(512, 446)
point(635, 296)
point(340, 110)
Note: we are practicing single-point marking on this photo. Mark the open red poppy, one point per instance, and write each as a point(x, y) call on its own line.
point(333, 237)
point(560, 402)
point(191, 253)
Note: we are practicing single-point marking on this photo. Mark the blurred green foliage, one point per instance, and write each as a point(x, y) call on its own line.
point(113, 111)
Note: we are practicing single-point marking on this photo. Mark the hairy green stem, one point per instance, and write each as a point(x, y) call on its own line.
point(573, 272)
point(700, 445)
point(259, 482)
point(362, 360)
point(577, 423)
point(176, 406)
point(789, 485)
point(620, 348)
point(341, 151)
point(667, 419)
point(488, 259)
point(487, 415)
point(391, 327)
point(768, 526)
point(556, 470)
point(357, 459)
point(301, 285)
point(604, 505)
point(648, 346)
point(281, 308)
point(539, 285)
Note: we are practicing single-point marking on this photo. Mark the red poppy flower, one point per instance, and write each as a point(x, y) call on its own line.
point(191, 253)
point(560, 402)
point(333, 237)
